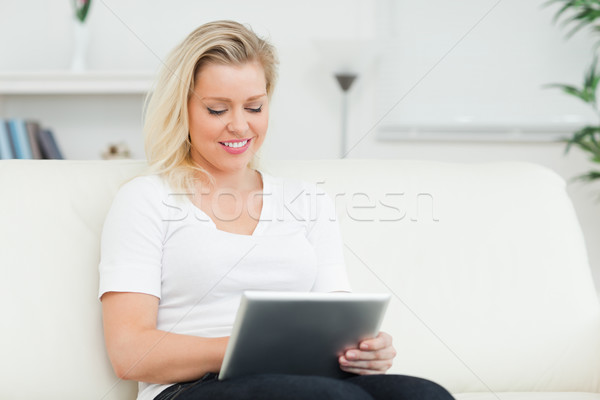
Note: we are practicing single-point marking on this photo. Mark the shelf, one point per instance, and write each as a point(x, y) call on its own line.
point(68, 83)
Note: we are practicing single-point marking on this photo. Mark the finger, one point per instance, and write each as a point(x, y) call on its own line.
point(359, 371)
point(382, 340)
point(365, 367)
point(371, 364)
point(383, 354)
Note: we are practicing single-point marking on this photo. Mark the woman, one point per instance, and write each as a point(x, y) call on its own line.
point(181, 243)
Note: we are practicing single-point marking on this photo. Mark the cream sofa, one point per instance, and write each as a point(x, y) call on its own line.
point(492, 293)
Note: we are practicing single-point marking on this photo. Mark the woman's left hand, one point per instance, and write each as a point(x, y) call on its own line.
point(373, 356)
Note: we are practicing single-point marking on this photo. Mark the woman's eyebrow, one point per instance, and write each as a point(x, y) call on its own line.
point(225, 99)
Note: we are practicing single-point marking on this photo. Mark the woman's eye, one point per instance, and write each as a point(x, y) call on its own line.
point(215, 112)
point(255, 110)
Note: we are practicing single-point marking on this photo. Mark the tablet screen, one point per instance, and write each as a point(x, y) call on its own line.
point(299, 333)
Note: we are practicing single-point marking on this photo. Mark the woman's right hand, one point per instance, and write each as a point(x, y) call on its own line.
point(372, 356)
point(138, 351)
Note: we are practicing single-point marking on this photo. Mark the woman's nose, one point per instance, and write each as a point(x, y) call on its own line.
point(238, 123)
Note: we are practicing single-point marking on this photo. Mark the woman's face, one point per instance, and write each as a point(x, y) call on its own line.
point(228, 116)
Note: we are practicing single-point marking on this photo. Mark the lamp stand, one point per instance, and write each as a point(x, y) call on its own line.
point(345, 80)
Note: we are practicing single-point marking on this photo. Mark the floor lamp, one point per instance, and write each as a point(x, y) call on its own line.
point(345, 80)
point(346, 59)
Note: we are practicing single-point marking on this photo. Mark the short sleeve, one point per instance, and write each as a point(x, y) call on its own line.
point(324, 235)
point(132, 240)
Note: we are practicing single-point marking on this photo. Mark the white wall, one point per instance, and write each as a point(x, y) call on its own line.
point(136, 35)
point(485, 61)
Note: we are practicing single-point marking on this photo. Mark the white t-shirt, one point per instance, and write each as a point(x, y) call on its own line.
point(156, 241)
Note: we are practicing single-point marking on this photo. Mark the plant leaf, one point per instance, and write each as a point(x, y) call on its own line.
point(584, 139)
point(591, 82)
point(589, 177)
point(571, 90)
point(586, 17)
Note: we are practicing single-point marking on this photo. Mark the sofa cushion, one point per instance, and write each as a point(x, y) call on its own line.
point(51, 215)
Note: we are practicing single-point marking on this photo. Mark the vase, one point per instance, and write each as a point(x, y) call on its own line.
point(80, 46)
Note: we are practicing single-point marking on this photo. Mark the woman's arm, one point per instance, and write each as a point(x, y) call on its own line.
point(138, 351)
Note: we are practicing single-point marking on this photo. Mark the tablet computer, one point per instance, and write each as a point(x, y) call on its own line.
point(299, 333)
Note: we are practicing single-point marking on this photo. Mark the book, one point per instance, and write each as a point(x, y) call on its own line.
point(48, 146)
point(10, 139)
point(33, 130)
point(18, 132)
point(6, 150)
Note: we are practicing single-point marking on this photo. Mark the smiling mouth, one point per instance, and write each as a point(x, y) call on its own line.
point(235, 144)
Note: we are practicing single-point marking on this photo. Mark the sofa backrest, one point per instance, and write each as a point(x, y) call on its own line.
point(486, 263)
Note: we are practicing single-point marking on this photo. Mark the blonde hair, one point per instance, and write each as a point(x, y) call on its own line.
point(166, 124)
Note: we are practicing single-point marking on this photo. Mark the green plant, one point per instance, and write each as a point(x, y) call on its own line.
point(81, 8)
point(583, 13)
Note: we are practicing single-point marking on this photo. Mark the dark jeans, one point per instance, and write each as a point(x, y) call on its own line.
point(300, 387)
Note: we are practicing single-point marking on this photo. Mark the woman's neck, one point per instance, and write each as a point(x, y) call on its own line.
point(243, 180)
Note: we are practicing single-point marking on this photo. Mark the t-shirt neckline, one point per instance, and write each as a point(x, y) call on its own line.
point(265, 209)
